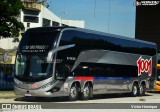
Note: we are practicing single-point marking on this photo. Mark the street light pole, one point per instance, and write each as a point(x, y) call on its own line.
point(61, 17)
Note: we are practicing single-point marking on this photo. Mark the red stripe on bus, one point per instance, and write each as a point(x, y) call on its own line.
point(84, 77)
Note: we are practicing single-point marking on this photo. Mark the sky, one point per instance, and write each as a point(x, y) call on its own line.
point(116, 18)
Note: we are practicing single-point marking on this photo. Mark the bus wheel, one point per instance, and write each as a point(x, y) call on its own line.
point(73, 93)
point(134, 92)
point(87, 92)
point(142, 90)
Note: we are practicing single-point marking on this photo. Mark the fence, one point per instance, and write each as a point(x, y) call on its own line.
point(6, 76)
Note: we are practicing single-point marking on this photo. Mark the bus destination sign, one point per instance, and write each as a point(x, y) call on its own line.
point(35, 48)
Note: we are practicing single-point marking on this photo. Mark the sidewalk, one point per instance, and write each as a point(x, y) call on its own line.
point(7, 94)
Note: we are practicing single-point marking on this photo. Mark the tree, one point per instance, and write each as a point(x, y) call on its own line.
point(9, 24)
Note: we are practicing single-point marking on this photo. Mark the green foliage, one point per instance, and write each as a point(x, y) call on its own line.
point(9, 25)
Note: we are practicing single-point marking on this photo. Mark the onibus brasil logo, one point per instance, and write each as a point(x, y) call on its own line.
point(144, 65)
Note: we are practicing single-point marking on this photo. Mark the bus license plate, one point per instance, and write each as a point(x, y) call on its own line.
point(27, 94)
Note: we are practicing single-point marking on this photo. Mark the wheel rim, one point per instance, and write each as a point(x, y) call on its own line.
point(141, 89)
point(73, 92)
point(135, 90)
point(86, 91)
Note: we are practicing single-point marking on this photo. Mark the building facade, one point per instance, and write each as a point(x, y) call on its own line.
point(35, 14)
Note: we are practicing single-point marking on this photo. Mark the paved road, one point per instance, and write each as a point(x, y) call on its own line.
point(112, 102)
point(151, 97)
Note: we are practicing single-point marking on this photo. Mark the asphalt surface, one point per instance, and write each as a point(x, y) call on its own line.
point(100, 103)
point(7, 94)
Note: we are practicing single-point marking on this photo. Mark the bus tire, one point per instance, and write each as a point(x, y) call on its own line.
point(134, 92)
point(73, 95)
point(142, 90)
point(87, 92)
point(91, 93)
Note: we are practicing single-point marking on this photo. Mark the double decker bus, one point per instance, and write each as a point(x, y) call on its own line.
point(76, 62)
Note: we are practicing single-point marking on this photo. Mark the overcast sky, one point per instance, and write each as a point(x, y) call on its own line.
point(110, 16)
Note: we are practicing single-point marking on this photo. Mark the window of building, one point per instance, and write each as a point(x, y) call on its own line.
point(31, 12)
point(46, 22)
point(31, 19)
point(55, 23)
point(64, 25)
point(28, 25)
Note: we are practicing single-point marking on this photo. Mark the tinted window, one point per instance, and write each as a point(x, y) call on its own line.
point(38, 41)
point(67, 37)
point(106, 70)
point(88, 41)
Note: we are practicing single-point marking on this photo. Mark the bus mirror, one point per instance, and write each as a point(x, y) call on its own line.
point(52, 52)
point(5, 56)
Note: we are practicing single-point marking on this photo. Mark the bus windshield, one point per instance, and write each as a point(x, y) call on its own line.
point(32, 67)
point(31, 64)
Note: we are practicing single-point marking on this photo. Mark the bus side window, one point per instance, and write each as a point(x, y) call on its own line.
point(63, 71)
point(66, 71)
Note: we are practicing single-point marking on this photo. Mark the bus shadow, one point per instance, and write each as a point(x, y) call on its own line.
point(42, 99)
point(109, 96)
point(65, 99)
point(154, 92)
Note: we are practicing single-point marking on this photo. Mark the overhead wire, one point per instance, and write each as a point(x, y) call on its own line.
point(109, 9)
point(95, 3)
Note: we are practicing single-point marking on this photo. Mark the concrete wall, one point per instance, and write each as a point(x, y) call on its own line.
point(6, 43)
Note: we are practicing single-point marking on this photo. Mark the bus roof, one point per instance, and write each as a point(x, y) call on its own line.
point(63, 28)
point(110, 35)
